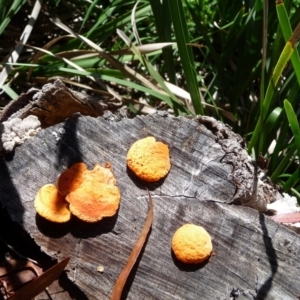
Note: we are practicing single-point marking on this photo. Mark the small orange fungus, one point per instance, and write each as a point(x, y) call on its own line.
point(148, 159)
point(51, 205)
point(191, 244)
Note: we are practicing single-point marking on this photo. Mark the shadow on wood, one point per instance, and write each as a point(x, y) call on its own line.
point(272, 257)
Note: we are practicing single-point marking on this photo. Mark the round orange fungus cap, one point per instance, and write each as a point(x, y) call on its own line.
point(148, 159)
point(191, 244)
point(51, 205)
point(72, 178)
point(94, 200)
point(92, 194)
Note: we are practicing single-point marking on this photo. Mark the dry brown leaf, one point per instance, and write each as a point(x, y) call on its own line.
point(36, 286)
point(120, 283)
point(287, 218)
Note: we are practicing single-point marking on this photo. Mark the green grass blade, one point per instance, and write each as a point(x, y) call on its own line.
point(108, 28)
point(283, 20)
point(174, 103)
point(283, 164)
point(23, 39)
point(282, 61)
point(272, 120)
point(88, 14)
point(281, 130)
point(263, 70)
point(292, 117)
point(123, 82)
point(292, 181)
point(230, 40)
point(10, 92)
point(14, 8)
point(296, 193)
point(139, 87)
point(162, 20)
point(185, 52)
point(287, 33)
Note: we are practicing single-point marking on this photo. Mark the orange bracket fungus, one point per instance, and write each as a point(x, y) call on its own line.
point(51, 205)
point(148, 159)
point(71, 179)
point(191, 244)
point(92, 194)
point(94, 200)
point(78, 174)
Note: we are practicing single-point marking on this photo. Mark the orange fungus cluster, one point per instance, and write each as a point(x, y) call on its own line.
point(90, 195)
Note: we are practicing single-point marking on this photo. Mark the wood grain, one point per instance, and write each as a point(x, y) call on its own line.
point(210, 172)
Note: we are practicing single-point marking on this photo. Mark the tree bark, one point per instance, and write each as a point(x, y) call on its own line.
point(210, 183)
point(54, 103)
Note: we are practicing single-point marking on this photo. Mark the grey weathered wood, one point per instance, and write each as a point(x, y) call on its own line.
point(210, 171)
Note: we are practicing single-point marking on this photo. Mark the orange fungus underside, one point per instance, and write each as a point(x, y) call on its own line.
point(51, 205)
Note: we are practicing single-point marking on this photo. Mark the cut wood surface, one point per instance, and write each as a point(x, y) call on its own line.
point(210, 182)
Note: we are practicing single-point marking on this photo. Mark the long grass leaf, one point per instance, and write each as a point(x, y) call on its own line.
point(292, 117)
point(133, 24)
point(23, 39)
point(292, 181)
point(123, 82)
point(88, 14)
point(283, 164)
point(162, 20)
point(282, 61)
point(14, 8)
point(114, 62)
point(272, 120)
point(9, 91)
point(144, 49)
point(287, 33)
point(75, 66)
point(185, 52)
point(174, 103)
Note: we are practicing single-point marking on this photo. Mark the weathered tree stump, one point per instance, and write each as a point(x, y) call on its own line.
point(209, 184)
point(54, 103)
